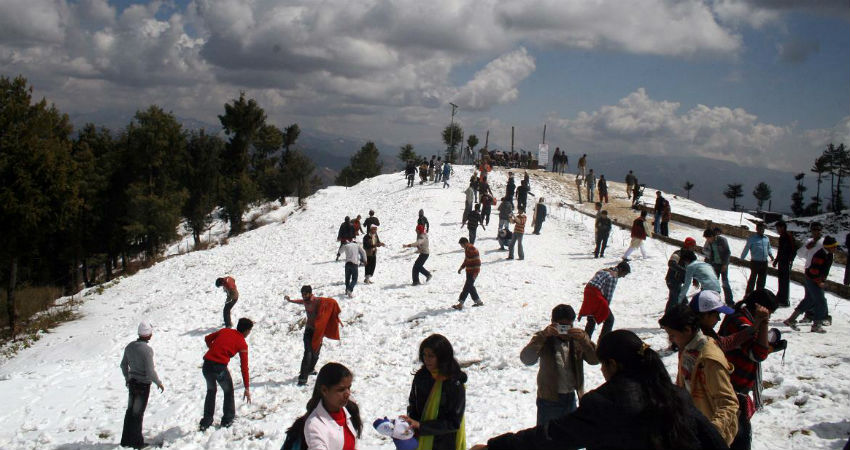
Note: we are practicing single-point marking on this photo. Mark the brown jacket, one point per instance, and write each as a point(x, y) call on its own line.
point(542, 348)
point(712, 391)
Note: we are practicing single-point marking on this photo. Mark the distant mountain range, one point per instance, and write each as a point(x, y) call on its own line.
point(710, 177)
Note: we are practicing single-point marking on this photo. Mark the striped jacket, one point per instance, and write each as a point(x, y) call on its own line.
point(472, 261)
point(519, 223)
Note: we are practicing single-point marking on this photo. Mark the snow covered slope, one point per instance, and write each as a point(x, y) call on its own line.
point(67, 392)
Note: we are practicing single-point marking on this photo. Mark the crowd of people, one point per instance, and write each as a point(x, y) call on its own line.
point(708, 403)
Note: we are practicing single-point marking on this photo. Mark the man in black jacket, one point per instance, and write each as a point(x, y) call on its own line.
point(473, 220)
point(539, 216)
point(784, 260)
point(346, 233)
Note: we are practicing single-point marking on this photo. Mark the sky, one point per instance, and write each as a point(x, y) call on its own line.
point(758, 82)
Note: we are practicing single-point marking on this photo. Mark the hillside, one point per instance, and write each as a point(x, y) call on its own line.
point(67, 392)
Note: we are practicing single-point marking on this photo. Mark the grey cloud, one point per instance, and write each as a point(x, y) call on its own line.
point(797, 51)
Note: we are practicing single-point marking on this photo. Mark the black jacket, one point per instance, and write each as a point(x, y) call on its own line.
point(509, 190)
point(346, 231)
point(422, 220)
point(540, 214)
point(787, 248)
point(371, 220)
point(607, 418)
point(452, 405)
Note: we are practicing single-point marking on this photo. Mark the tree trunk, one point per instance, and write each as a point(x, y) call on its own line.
point(108, 267)
point(11, 310)
point(86, 280)
point(196, 235)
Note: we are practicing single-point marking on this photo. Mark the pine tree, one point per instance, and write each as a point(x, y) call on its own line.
point(364, 164)
point(242, 121)
point(734, 192)
point(839, 165)
point(265, 167)
point(687, 187)
point(472, 142)
point(797, 198)
point(156, 154)
point(202, 180)
point(38, 194)
point(290, 135)
point(762, 193)
point(406, 154)
point(452, 136)
point(820, 167)
point(299, 173)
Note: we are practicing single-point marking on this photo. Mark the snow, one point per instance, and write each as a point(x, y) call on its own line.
point(67, 392)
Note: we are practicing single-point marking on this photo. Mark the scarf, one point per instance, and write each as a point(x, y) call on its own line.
point(432, 408)
point(688, 358)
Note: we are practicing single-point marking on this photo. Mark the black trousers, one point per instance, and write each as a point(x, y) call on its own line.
point(665, 228)
point(419, 267)
point(137, 402)
point(607, 325)
point(472, 233)
point(758, 275)
point(310, 358)
point(228, 305)
point(784, 285)
point(371, 261)
point(601, 243)
point(537, 226)
point(469, 289)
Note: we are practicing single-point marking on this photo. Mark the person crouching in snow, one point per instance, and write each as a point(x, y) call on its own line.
point(371, 242)
point(472, 263)
point(223, 345)
point(229, 286)
point(421, 245)
point(598, 294)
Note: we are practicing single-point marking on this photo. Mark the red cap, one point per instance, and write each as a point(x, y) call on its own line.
point(690, 242)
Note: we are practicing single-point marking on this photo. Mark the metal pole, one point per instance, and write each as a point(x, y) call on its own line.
point(544, 133)
point(452, 131)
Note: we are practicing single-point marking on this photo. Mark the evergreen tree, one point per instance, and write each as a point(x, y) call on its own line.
point(364, 164)
point(688, 186)
point(264, 162)
point(839, 166)
point(406, 154)
point(734, 192)
point(202, 181)
point(452, 136)
point(156, 153)
point(290, 135)
point(798, 196)
point(242, 121)
point(472, 142)
point(762, 193)
point(820, 167)
point(299, 173)
point(38, 194)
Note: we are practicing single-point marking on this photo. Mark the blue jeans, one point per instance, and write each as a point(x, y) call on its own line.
point(516, 239)
point(814, 301)
point(310, 357)
point(217, 373)
point(723, 276)
point(548, 410)
point(673, 297)
point(656, 228)
point(469, 289)
point(350, 276)
point(137, 402)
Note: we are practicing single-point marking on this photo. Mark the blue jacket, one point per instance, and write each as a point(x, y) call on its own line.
point(760, 246)
point(704, 274)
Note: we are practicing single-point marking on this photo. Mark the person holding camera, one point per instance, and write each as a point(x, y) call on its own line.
point(561, 349)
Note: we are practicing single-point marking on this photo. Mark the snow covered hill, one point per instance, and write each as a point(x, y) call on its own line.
point(66, 392)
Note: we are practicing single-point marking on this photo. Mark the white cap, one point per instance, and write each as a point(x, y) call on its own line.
point(145, 328)
point(706, 301)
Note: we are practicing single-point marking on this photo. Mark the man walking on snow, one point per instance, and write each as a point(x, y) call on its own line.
point(371, 242)
point(472, 264)
point(138, 369)
point(322, 321)
point(229, 286)
point(223, 345)
point(473, 220)
point(355, 257)
point(519, 230)
point(422, 248)
point(346, 233)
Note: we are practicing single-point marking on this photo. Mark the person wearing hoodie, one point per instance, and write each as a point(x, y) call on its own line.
point(562, 351)
point(422, 220)
point(703, 370)
point(437, 400)
point(139, 372)
point(421, 245)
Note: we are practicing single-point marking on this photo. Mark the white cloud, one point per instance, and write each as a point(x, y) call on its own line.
point(497, 82)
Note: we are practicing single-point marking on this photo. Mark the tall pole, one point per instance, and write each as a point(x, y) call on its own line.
point(544, 133)
point(452, 132)
point(512, 139)
point(487, 140)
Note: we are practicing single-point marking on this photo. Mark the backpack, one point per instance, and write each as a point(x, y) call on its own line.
point(295, 436)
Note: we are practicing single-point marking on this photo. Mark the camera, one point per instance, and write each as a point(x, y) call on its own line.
point(563, 329)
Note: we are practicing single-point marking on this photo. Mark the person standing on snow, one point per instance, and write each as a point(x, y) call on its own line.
point(223, 345)
point(438, 170)
point(510, 188)
point(590, 183)
point(759, 245)
point(519, 230)
point(410, 172)
point(579, 182)
point(582, 166)
point(371, 242)
point(355, 257)
point(603, 189)
point(358, 228)
point(447, 172)
point(346, 233)
point(816, 275)
point(522, 194)
point(598, 294)
point(371, 220)
point(473, 220)
point(322, 321)
point(784, 260)
point(659, 209)
point(562, 351)
point(470, 200)
point(421, 245)
point(487, 203)
point(506, 208)
point(139, 372)
point(539, 216)
point(603, 230)
point(422, 220)
point(640, 231)
point(717, 253)
point(631, 182)
point(229, 286)
point(472, 264)
point(431, 167)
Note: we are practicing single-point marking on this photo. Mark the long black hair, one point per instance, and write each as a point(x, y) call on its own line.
point(330, 375)
point(667, 414)
point(442, 348)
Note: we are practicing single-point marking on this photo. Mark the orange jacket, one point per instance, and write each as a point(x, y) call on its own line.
point(327, 322)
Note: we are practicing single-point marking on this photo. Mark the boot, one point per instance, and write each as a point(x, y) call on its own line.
point(791, 322)
point(817, 327)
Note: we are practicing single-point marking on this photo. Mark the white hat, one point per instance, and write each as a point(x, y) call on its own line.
point(706, 301)
point(145, 328)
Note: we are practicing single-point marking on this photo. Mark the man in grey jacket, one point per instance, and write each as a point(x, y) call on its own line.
point(505, 211)
point(138, 369)
point(561, 349)
point(717, 253)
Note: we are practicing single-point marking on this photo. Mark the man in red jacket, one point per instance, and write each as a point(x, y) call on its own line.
point(223, 345)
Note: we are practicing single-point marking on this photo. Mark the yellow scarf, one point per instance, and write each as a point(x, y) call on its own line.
point(432, 408)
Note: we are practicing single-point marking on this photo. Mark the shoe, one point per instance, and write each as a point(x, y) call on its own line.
point(302, 383)
point(226, 424)
point(458, 307)
point(478, 303)
point(521, 259)
point(416, 283)
point(827, 322)
point(626, 259)
point(791, 323)
point(314, 373)
point(428, 278)
point(818, 328)
point(806, 319)
point(337, 256)
point(510, 257)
